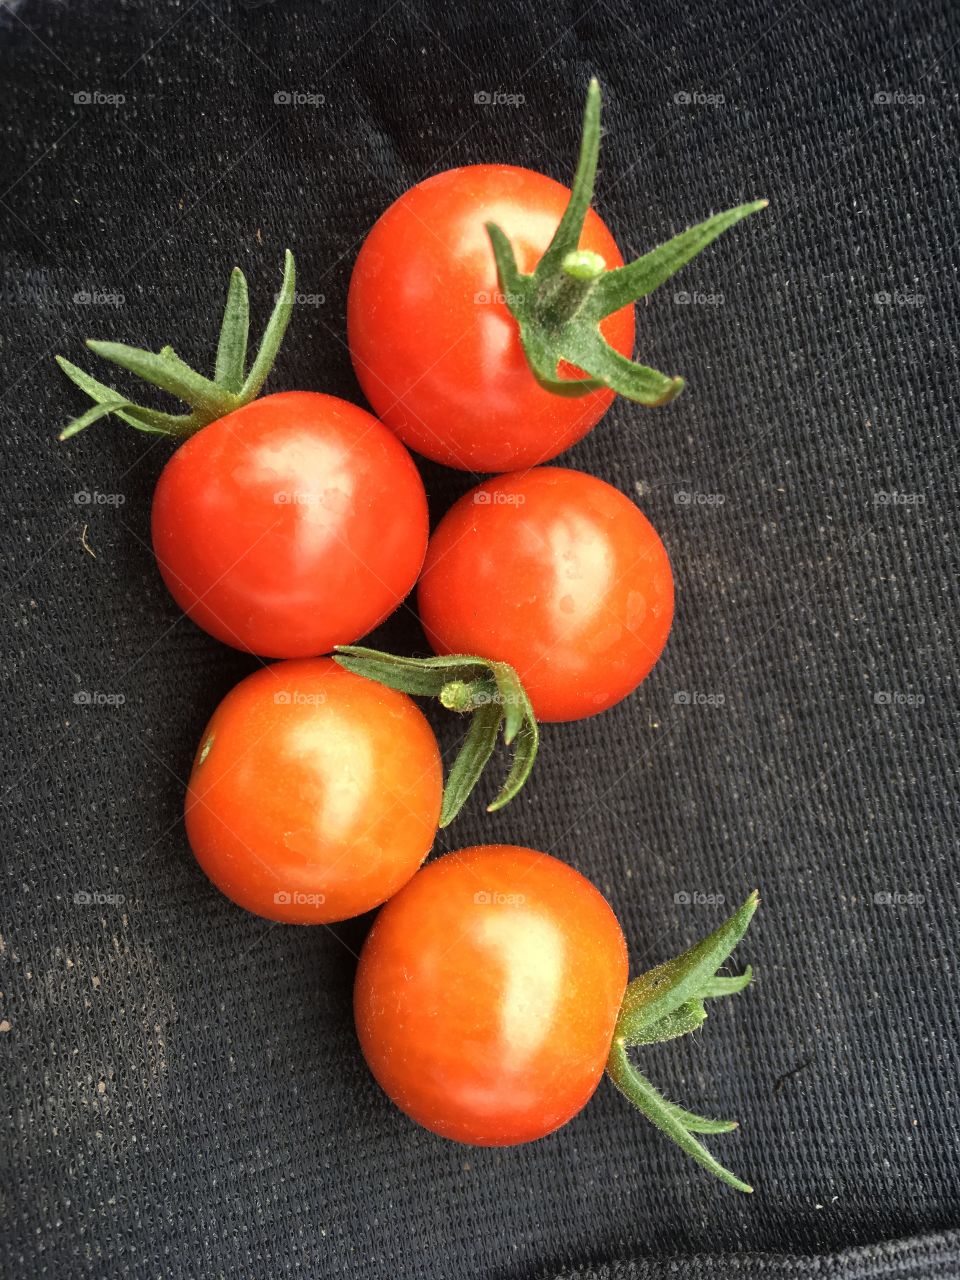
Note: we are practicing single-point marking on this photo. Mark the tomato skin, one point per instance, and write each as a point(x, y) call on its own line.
point(295, 524)
point(557, 573)
point(315, 794)
point(443, 370)
point(487, 994)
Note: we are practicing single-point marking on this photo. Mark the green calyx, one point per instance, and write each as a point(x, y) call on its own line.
point(232, 386)
point(490, 692)
point(559, 307)
point(667, 1002)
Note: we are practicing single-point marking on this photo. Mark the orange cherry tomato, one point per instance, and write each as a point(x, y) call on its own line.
point(560, 575)
point(435, 348)
point(488, 992)
point(294, 524)
point(315, 793)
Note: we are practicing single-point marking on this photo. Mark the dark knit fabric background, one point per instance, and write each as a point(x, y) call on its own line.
point(183, 1093)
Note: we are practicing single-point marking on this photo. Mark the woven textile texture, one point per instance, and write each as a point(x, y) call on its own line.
point(182, 1091)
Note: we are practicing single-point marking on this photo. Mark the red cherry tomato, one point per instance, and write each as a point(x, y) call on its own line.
point(433, 344)
point(292, 525)
point(558, 574)
point(315, 793)
point(487, 994)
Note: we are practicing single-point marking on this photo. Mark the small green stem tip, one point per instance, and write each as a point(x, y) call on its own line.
point(231, 387)
point(667, 1002)
point(490, 692)
point(557, 325)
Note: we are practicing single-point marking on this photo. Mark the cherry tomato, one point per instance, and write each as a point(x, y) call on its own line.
point(488, 992)
point(292, 525)
point(315, 794)
point(435, 348)
point(560, 575)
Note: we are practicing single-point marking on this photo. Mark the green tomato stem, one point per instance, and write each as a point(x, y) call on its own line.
point(490, 692)
point(208, 399)
point(667, 1002)
point(560, 305)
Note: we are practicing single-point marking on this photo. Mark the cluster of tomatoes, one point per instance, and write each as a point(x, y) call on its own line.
point(491, 323)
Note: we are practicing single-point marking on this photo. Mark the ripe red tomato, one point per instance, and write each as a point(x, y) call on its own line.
point(488, 992)
point(435, 348)
point(315, 794)
point(292, 525)
point(560, 575)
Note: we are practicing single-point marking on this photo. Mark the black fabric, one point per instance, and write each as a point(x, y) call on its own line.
point(937, 1255)
point(183, 1088)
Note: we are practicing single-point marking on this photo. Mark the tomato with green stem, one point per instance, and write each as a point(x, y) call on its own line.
point(490, 314)
point(558, 574)
point(492, 995)
point(316, 792)
point(283, 525)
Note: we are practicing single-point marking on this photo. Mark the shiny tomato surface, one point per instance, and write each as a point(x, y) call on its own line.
point(297, 523)
point(487, 994)
point(560, 575)
point(315, 793)
point(434, 346)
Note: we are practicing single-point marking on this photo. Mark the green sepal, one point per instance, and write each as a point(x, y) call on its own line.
point(489, 691)
point(208, 399)
point(234, 334)
point(558, 307)
point(667, 1002)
